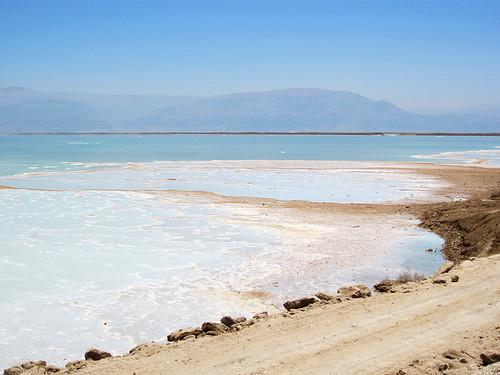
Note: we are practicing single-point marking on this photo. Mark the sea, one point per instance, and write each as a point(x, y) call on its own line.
point(110, 241)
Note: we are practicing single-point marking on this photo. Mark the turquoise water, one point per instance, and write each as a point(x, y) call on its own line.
point(20, 154)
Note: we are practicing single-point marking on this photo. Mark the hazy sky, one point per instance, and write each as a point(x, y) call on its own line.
point(418, 54)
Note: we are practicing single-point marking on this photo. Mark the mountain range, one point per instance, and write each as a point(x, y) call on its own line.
point(25, 110)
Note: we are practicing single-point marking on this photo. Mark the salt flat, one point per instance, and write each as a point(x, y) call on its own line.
point(86, 262)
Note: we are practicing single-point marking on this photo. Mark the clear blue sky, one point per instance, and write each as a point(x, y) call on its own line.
point(418, 54)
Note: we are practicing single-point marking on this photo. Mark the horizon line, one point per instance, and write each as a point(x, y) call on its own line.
point(382, 133)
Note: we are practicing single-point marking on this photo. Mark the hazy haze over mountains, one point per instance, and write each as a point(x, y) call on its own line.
point(288, 110)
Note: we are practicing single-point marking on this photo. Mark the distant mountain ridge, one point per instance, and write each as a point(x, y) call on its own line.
point(289, 110)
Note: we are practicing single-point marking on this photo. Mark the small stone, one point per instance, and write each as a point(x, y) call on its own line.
point(299, 303)
point(439, 281)
point(228, 321)
point(490, 357)
point(355, 291)
point(210, 327)
point(240, 319)
point(454, 278)
point(96, 354)
point(181, 333)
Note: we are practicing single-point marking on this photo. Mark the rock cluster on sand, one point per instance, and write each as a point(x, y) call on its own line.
point(91, 354)
point(229, 321)
point(16, 370)
point(353, 291)
point(214, 329)
point(385, 286)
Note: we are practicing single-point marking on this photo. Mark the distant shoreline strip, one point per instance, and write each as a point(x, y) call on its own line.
point(264, 133)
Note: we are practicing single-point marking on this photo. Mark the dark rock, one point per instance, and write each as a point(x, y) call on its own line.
point(454, 278)
point(385, 286)
point(181, 333)
point(355, 291)
point(261, 315)
point(210, 327)
point(16, 370)
point(439, 281)
point(299, 303)
point(228, 321)
point(490, 357)
point(96, 354)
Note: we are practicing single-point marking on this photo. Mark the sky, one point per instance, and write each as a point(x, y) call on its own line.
point(421, 55)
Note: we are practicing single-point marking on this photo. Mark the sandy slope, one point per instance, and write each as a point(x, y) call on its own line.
point(377, 335)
